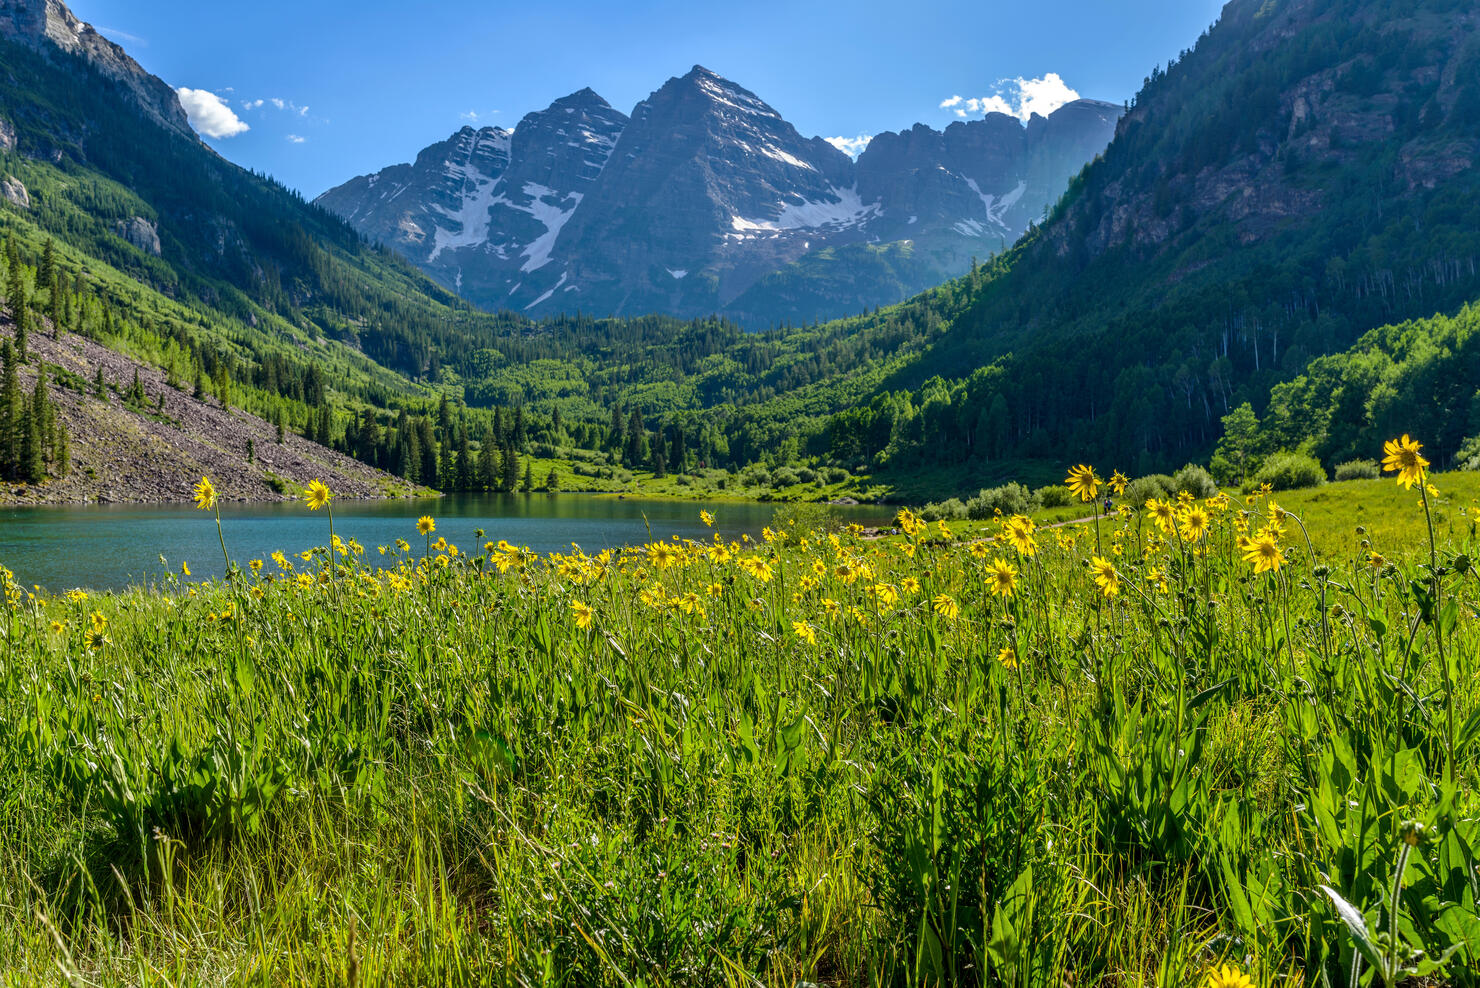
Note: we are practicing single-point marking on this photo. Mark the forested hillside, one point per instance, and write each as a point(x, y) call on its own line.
point(1303, 175)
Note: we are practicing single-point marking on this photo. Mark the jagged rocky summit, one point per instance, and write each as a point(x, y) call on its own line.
point(706, 200)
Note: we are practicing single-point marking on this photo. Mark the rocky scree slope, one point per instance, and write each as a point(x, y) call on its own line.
point(157, 450)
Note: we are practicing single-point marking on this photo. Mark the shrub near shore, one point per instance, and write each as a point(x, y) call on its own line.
point(1178, 752)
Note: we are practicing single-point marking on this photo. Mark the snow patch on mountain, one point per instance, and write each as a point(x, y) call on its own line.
point(480, 192)
point(772, 151)
point(552, 216)
point(847, 210)
point(546, 297)
point(996, 208)
point(733, 98)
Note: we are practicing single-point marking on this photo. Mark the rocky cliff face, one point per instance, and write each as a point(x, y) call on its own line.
point(38, 24)
point(707, 200)
point(1376, 82)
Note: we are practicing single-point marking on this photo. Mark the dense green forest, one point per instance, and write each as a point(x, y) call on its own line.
point(1274, 193)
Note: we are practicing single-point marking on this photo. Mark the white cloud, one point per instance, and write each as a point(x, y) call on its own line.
point(1018, 97)
point(851, 146)
point(278, 103)
point(209, 113)
point(1043, 96)
point(295, 139)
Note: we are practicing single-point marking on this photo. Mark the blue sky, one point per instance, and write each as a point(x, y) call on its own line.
point(328, 89)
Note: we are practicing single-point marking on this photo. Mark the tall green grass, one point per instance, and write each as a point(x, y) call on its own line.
point(813, 758)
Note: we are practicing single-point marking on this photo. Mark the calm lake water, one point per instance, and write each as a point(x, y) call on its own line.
point(103, 547)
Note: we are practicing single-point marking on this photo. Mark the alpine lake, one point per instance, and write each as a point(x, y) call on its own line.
point(113, 546)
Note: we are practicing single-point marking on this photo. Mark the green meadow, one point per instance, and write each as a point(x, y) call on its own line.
point(1218, 742)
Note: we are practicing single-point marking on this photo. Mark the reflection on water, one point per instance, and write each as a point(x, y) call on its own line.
point(115, 545)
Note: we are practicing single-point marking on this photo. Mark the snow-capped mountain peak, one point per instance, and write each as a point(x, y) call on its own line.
point(706, 190)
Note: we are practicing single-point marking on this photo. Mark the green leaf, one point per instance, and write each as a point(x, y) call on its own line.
point(1012, 916)
point(1204, 696)
point(1449, 618)
point(1357, 924)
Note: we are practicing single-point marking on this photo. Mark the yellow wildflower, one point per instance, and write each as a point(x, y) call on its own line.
point(1002, 577)
point(317, 495)
point(1402, 456)
point(205, 494)
point(1194, 523)
point(1226, 976)
point(1105, 576)
point(583, 614)
point(1264, 552)
point(1083, 483)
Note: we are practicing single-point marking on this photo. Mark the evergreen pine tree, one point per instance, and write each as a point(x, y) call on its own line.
point(404, 459)
point(44, 412)
point(679, 457)
point(446, 470)
point(15, 289)
point(10, 414)
point(63, 451)
point(528, 484)
point(427, 474)
point(552, 481)
point(32, 466)
point(100, 387)
point(326, 426)
point(56, 313)
point(464, 474)
point(614, 439)
point(488, 467)
point(635, 439)
point(510, 479)
point(47, 272)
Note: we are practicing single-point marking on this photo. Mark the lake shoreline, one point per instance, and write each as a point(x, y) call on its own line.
point(11, 498)
point(18, 496)
point(113, 546)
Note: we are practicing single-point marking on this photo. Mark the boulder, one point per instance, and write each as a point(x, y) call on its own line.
point(15, 192)
point(141, 233)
